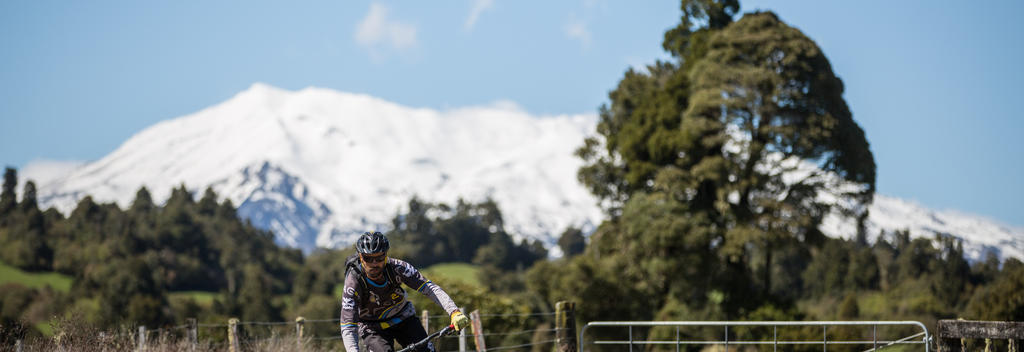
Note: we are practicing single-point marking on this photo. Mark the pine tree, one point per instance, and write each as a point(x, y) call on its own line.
point(571, 242)
point(8, 197)
point(180, 198)
point(143, 202)
point(208, 203)
point(227, 210)
point(28, 199)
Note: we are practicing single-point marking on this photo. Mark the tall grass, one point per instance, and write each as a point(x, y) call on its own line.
point(73, 334)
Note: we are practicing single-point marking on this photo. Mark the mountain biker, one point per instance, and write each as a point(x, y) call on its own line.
point(374, 306)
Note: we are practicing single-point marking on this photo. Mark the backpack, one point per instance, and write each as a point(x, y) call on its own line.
point(352, 263)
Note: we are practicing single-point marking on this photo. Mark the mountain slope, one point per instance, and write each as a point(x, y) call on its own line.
point(318, 167)
point(981, 236)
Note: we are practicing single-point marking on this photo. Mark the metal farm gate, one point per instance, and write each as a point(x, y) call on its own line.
point(874, 343)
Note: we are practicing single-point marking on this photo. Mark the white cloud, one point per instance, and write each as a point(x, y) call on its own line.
point(576, 29)
point(377, 30)
point(479, 6)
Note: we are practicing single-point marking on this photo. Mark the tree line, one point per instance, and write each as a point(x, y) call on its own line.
point(715, 170)
point(125, 264)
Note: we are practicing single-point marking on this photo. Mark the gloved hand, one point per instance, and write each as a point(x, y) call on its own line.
point(459, 320)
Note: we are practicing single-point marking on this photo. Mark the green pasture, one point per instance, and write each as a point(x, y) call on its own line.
point(56, 281)
point(462, 272)
point(202, 298)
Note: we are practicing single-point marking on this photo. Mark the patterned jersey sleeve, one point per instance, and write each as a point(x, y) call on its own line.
point(350, 313)
point(412, 278)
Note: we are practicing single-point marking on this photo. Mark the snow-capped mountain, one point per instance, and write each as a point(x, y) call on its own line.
point(318, 167)
point(980, 235)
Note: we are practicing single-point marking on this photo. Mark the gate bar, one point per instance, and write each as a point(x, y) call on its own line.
point(776, 324)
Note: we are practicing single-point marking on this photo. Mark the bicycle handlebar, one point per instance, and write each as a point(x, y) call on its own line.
point(417, 345)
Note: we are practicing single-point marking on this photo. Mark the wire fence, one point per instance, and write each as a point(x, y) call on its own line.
point(541, 333)
point(516, 331)
point(551, 314)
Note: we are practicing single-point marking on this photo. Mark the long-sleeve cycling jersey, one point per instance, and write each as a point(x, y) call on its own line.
point(384, 304)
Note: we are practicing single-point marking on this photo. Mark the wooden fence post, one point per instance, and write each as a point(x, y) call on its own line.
point(478, 331)
point(57, 339)
point(233, 335)
point(565, 325)
point(193, 333)
point(425, 319)
point(462, 336)
point(299, 322)
point(142, 339)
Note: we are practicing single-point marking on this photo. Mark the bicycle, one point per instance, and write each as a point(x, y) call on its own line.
point(419, 344)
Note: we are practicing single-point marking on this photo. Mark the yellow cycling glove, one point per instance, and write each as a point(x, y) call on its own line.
point(459, 320)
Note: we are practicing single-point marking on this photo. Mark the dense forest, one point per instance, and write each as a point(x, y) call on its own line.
point(700, 164)
point(127, 265)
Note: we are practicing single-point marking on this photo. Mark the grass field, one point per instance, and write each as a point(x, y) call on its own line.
point(203, 298)
point(62, 283)
point(57, 281)
point(462, 272)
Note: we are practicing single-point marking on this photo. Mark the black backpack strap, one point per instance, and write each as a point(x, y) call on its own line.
point(352, 263)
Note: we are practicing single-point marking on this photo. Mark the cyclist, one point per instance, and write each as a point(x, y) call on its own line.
point(373, 305)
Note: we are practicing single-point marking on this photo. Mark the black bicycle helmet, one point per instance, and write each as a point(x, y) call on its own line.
point(372, 242)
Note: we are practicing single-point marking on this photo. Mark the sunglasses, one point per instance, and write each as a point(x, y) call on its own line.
point(374, 259)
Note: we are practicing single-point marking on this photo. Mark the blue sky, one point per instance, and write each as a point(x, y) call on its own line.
point(934, 84)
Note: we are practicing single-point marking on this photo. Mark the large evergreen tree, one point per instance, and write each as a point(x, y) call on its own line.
point(747, 130)
point(766, 104)
point(717, 168)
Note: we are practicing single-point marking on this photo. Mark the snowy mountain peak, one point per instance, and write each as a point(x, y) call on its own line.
point(318, 166)
point(262, 93)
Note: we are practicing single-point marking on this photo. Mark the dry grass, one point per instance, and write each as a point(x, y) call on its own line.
point(283, 344)
point(70, 335)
